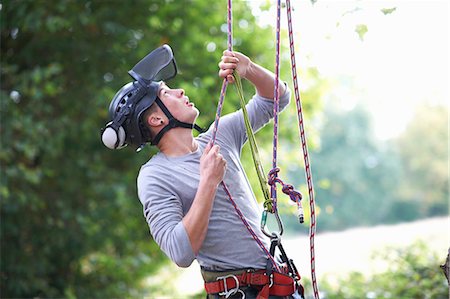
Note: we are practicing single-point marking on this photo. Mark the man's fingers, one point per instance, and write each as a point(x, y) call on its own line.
point(227, 65)
point(215, 149)
point(208, 148)
point(211, 149)
point(229, 59)
point(227, 74)
point(224, 73)
point(228, 53)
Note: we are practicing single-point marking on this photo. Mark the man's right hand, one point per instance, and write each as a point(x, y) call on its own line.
point(231, 61)
point(261, 78)
point(212, 171)
point(212, 165)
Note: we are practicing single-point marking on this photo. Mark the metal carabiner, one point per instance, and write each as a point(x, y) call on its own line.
point(264, 228)
point(229, 292)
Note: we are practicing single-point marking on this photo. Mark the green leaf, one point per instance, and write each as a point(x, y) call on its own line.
point(387, 11)
point(361, 29)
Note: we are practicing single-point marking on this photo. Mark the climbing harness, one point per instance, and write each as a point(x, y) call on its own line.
point(229, 285)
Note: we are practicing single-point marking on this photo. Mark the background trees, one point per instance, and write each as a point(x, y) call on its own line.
point(411, 273)
point(365, 181)
point(71, 224)
point(423, 154)
point(71, 221)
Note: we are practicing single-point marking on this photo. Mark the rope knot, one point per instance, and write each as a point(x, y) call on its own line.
point(287, 189)
point(293, 194)
point(273, 176)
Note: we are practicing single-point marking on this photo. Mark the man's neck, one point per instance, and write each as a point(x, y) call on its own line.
point(178, 142)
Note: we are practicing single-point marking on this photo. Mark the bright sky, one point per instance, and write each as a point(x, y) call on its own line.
point(403, 60)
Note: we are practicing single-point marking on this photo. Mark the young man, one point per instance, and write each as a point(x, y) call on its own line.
point(189, 214)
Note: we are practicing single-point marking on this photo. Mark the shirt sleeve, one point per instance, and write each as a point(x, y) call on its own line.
point(163, 212)
point(260, 111)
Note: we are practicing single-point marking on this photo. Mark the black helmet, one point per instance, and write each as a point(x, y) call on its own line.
point(127, 104)
point(134, 98)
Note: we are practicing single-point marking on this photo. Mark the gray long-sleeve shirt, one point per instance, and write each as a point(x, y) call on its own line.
point(168, 185)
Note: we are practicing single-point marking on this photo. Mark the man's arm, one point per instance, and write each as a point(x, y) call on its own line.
point(261, 78)
point(212, 170)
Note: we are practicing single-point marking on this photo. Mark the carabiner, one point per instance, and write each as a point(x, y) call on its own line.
point(264, 228)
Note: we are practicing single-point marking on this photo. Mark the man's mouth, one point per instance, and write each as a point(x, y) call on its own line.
point(189, 104)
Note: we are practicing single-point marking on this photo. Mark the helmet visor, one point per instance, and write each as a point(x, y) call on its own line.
point(158, 65)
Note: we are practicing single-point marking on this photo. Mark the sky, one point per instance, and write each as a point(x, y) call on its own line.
point(401, 62)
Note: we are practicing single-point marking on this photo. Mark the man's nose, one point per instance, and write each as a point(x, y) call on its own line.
point(180, 92)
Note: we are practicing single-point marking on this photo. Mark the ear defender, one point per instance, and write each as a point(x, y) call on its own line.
point(113, 139)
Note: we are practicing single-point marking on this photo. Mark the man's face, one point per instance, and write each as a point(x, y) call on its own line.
point(178, 103)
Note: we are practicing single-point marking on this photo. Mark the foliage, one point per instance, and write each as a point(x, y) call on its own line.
point(71, 222)
point(423, 153)
point(361, 30)
point(346, 183)
point(387, 11)
point(362, 181)
point(71, 225)
point(412, 272)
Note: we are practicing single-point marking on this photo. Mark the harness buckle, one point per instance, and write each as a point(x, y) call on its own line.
point(227, 293)
point(271, 280)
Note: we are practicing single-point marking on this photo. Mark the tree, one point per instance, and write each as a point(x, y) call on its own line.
point(423, 150)
point(354, 174)
point(363, 181)
point(71, 224)
point(412, 272)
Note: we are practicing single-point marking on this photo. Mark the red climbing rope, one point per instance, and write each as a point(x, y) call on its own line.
point(273, 174)
point(312, 230)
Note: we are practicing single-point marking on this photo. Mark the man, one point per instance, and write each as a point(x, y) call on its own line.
point(189, 215)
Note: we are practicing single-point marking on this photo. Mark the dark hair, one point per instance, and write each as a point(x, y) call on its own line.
point(143, 124)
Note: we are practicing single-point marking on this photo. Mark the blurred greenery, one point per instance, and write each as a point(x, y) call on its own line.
point(412, 273)
point(71, 223)
point(363, 181)
point(423, 154)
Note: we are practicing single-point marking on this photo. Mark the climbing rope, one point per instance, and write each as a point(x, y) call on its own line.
point(253, 146)
point(276, 106)
point(273, 173)
point(270, 204)
point(312, 227)
point(213, 139)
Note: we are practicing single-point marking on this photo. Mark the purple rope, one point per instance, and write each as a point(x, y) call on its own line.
point(249, 228)
point(219, 110)
point(223, 90)
point(309, 180)
point(276, 104)
point(230, 26)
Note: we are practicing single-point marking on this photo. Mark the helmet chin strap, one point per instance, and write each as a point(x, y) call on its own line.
point(173, 123)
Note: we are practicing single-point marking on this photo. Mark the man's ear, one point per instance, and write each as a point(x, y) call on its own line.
point(154, 120)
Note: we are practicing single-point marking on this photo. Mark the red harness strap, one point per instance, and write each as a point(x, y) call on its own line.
point(276, 284)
